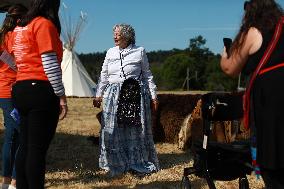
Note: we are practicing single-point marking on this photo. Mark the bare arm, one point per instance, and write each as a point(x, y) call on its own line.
point(233, 65)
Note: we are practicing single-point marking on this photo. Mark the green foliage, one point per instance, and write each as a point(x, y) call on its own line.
point(216, 80)
point(174, 70)
point(197, 44)
point(93, 63)
point(160, 56)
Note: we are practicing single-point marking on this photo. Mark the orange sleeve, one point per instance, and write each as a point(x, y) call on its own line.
point(47, 38)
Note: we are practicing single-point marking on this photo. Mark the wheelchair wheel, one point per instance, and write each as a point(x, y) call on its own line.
point(243, 183)
point(185, 183)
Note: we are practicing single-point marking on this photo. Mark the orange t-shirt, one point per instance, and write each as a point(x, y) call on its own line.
point(7, 75)
point(38, 37)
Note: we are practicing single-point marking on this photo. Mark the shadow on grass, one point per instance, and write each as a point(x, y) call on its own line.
point(173, 159)
point(198, 183)
point(74, 159)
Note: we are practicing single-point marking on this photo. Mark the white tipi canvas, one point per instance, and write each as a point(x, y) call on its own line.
point(76, 79)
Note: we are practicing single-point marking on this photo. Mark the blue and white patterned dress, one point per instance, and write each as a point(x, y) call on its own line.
point(128, 147)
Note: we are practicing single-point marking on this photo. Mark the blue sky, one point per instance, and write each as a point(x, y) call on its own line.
point(159, 24)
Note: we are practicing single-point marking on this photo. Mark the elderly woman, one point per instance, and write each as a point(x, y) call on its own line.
point(124, 145)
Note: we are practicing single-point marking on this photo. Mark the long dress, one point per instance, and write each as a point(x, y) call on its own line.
point(126, 147)
point(267, 104)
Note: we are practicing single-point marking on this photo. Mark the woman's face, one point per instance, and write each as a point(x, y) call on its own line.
point(118, 39)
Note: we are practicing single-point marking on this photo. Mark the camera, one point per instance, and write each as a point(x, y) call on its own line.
point(227, 43)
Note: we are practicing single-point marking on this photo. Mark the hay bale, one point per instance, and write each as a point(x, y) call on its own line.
point(191, 128)
point(222, 131)
point(172, 113)
point(179, 120)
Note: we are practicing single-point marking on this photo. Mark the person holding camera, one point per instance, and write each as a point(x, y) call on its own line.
point(126, 90)
point(257, 51)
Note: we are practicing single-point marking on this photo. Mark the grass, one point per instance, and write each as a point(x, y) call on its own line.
point(72, 160)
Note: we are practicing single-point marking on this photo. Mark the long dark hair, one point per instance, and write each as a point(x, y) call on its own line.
point(14, 13)
point(261, 14)
point(46, 8)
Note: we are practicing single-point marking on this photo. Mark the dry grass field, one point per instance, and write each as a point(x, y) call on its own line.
point(72, 160)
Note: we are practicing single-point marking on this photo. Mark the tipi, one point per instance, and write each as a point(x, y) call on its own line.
point(76, 79)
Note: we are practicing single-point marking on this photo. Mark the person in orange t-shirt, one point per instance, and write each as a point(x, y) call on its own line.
point(7, 79)
point(38, 93)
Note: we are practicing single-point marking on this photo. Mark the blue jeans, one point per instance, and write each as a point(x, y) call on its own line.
point(11, 141)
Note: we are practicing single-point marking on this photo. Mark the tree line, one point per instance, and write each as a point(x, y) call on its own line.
point(193, 68)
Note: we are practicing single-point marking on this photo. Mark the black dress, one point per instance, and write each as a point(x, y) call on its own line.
point(268, 105)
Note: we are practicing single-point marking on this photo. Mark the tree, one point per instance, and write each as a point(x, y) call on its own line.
point(197, 43)
point(202, 55)
point(93, 63)
point(216, 80)
point(174, 71)
point(169, 67)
